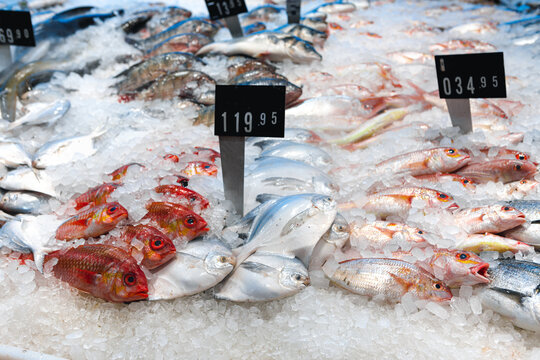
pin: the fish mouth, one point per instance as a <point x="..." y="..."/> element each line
<point x="480" y="271"/>
<point x="454" y="206"/>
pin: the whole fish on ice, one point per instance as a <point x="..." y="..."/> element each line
<point x="529" y="232"/>
<point x="309" y="154"/>
<point x="492" y="219"/>
<point x="44" y="114"/>
<point x="26" y="179"/>
<point x="23" y="202"/>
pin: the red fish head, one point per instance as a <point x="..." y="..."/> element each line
<point x="445" y="201"/>
<point x="193" y="226"/>
<point x="127" y="282"/>
<point x="467" y="183"/>
<point x="524" y="169"/>
<point x="112" y="213"/>
<point x="439" y="292"/>
<point x="200" y="168"/>
<point x="461" y="156"/>
<point x="158" y="248"/>
<point x="459" y="267"/>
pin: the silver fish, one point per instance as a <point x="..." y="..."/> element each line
<point x="309" y="154"/>
<point x="22" y="202"/>
<point x="290" y="226"/>
<point x="266" y="45"/>
<point x="12" y="154"/>
<point x="292" y="134"/>
<point x="305" y="33"/>
<point x="25" y="179"/>
<point x="336" y="7"/>
<point x="264" y="277"/>
<point x="44" y="114"/>
<point x="286" y="177"/>
<point x="530" y="231"/>
<point x="334" y="239"/>
<point x="66" y="150"/>
<point x="200" y="265"/>
<point x="514" y="292"/>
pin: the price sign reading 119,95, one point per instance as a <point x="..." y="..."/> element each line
<point x="471" y="76"/>
<point x="16" y="28"/>
<point x="219" y="9"/>
<point x="250" y="111"/>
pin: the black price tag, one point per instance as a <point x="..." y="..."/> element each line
<point x="16" y="28"/>
<point x="293" y="11"/>
<point x="471" y="76"/>
<point x="219" y="9"/>
<point x="243" y="110"/>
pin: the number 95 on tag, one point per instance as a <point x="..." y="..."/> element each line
<point x="250" y="111"/>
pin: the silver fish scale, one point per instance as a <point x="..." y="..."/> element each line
<point x="517" y="276"/>
<point x="531" y="208"/>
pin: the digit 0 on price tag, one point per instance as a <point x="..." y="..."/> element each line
<point x="471" y="76"/>
<point x="250" y="111"/>
<point x="219" y="9"/>
<point x="16" y="28"/>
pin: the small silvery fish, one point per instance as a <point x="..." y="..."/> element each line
<point x="104" y="271"/>
<point x="46" y="114"/>
<point x="334" y="239"/>
<point x="305" y="33"/>
<point x="22" y="202"/>
<point x="311" y="155"/>
<point x="12" y="154"/>
<point x="514" y="292"/>
<point x="387" y="279"/>
<point x="66" y="150"/>
<point x="264" y="277"/>
<point x="25" y="179"/>
<point x="198" y="266"/>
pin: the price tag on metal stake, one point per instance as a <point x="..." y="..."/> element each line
<point x="228" y="10"/>
<point x="293" y="11"/>
<point x="465" y="76"/>
<point x="16" y="28"/>
<point x="245" y="111"/>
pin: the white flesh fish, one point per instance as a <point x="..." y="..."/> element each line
<point x="202" y="264"/>
<point x="66" y="150"/>
<point x="514" y="292"/>
<point x="12" y="154"/>
<point x="264" y="277"/>
<point x="309" y="154"/>
<point x="265" y="45"/>
<point x="290" y="226"/>
<point x="42" y="114"/>
<point x="25" y="178"/>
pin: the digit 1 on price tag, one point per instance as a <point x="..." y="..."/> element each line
<point x="293" y="11"/>
<point x="228" y="10"/>
<point x="244" y="111"/>
<point x="464" y="76"/>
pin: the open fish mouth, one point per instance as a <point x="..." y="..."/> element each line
<point x="452" y="207"/>
<point x="480" y="271"/>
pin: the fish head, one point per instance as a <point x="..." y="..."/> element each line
<point x="219" y="262"/>
<point x="414" y="234"/>
<point x="325" y="204"/>
<point x="158" y="248"/>
<point x="436" y="290"/>
<point x="201" y="168"/>
<point x="294" y="277"/>
<point x="192" y="225"/>
<point x="442" y="200"/>
<point x="458" y="267"/>
<point x="112" y="213"/>
<point x="523" y="186"/>
<point x="127" y="282"/>
<point x="339" y="232"/>
<point x="301" y="50"/>
<point x="508" y="215"/>
<point x="523" y="169"/>
<point x="466" y="182"/>
<point x="449" y="159"/>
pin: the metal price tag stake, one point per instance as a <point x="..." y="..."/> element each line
<point x="15" y="29"/>
<point x="228" y="10"/>
<point x="465" y="76"/>
<point x="244" y="111"/>
<point x="293" y="11"/>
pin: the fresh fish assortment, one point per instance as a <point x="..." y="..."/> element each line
<point x="371" y="195"/>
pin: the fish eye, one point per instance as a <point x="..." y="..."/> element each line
<point x="452" y="152"/>
<point x="297" y="277"/>
<point x="207" y="166"/>
<point x="157" y="243"/>
<point x="521" y="156"/>
<point x="112" y="209"/>
<point x="437" y="286"/>
<point x="463" y="256"/>
<point x="522" y="182"/>
<point x="442" y="197"/>
<point x="222" y="259"/>
<point x="189" y="221"/>
<point x="130" y="279"/>
<point x="517" y="166"/>
<point x="506" y="208"/>
<point x="193" y="199"/>
<point x="420" y="232"/>
<point x="465" y="181"/>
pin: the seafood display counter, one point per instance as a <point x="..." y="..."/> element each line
<point x="373" y="228"/>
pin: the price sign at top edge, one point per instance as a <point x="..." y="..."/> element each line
<point x="16" y="28"/>
<point x="243" y="110"/>
<point x="219" y="9"/>
<point x="471" y="76"/>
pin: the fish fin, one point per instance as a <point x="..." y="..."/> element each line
<point x="296" y="221"/>
<point x="87" y="276"/>
<point x="405" y="284"/>
<point x="514" y="294"/>
<point x="284" y="182"/>
<point x="264" y="143"/>
<point x="256" y="267"/>
<point x="262" y="198"/>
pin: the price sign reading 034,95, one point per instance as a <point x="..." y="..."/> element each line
<point x="471" y="76"/>
<point x="223" y="8"/>
<point x="16" y="28"/>
<point x="250" y="111"/>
